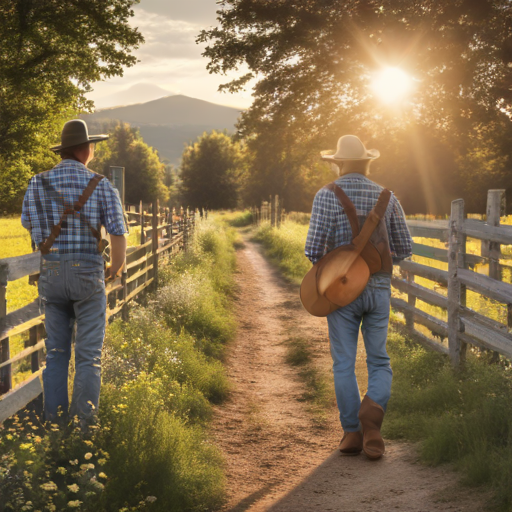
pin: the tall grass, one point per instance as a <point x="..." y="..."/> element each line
<point x="285" y="246"/>
<point x="463" y="418"/>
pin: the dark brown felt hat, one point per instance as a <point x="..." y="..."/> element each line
<point x="75" y="133"/>
<point x="334" y="281"/>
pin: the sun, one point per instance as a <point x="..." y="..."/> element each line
<point x="391" y="85"/>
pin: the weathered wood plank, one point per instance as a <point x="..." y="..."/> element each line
<point x="11" y="324"/>
<point x="139" y="289"/>
<point x="434" y="274"/>
<point x="482" y="231"/>
<point x="138" y="274"/>
<point x="431" y="322"/>
<point x="429" y="229"/>
<point x="490" y="338"/>
<point x="24" y="353"/>
<point x="19" y="266"/>
<point x="427" y="251"/>
<point x="420" y="292"/>
<point x="136" y="263"/>
<point x="457" y="244"/>
<point x="497" y="290"/>
<point x="15" y="400"/>
<point x="141" y="249"/>
<point x="430" y="343"/>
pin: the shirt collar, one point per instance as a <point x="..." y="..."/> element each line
<point x="353" y="176"/>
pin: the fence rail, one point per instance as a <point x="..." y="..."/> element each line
<point x="463" y="325"/>
<point x="163" y="232"/>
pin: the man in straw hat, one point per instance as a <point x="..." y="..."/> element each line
<point x="64" y="209"/>
<point x="330" y="228"/>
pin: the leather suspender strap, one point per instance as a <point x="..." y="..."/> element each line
<point x="373" y="219"/>
<point x="45" y="246"/>
<point x="348" y="207"/>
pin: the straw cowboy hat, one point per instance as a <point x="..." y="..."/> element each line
<point x="75" y="133"/>
<point x="351" y="148"/>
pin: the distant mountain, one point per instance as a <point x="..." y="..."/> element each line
<point x="137" y="93"/>
<point x="169" y="123"/>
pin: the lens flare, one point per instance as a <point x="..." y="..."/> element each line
<point x="391" y="85"/>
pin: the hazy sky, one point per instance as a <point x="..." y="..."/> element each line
<point x="170" y="60"/>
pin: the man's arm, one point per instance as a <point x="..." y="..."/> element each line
<point x="319" y="224"/>
<point x="28" y="201"/>
<point x="118" y="253"/>
<point x="400" y="241"/>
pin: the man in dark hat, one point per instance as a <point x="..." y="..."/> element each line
<point x="331" y="227"/>
<point x="64" y="209"/>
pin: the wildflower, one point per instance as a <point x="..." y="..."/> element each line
<point x="73" y="488"/>
<point x="74" y="504"/>
<point x="102" y="462"/>
<point x="49" y="486"/>
<point x="37" y="439"/>
<point x="29" y="462"/>
<point x="98" y="485"/>
<point x="25" y="446"/>
<point x="61" y="470"/>
<point x="88" y="455"/>
<point x="102" y="475"/>
<point x="151" y="499"/>
<point x="51" y="507"/>
<point x="88" y="443"/>
<point x="9" y="437"/>
<point x="73" y="462"/>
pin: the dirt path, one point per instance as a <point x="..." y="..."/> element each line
<point x="279" y="458"/>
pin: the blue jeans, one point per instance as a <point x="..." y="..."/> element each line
<point x="72" y="292"/>
<point x="371" y="309"/>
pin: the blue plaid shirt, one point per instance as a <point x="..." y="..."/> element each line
<point x="41" y="212"/>
<point x="329" y="226"/>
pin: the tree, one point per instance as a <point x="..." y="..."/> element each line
<point x="210" y="169"/>
<point x="314" y="61"/>
<point x="50" y="53"/>
<point x="144" y="172"/>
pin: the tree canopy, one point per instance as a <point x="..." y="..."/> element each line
<point x="144" y="172"/>
<point x="210" y="171"/>
<point x="50" y="53"/>
<point x="314" y="62"/>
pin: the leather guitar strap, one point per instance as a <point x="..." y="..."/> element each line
<point x="45" y="246"/>
<point x="373" y="219"/>
<point x="348" y="207"/>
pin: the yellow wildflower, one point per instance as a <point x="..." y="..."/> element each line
<point x="74" y="504"/>
<point x="102" y="475"/>
<point x="73" y="488"/>
<point x="87" y="456"/>
<point x="49" y="486"/>
<point x="61" y="470"/>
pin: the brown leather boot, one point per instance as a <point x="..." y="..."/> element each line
<point x="351" y="443"/>
<point x="371" y="415"/>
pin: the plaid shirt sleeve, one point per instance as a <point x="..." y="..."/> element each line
<point x="111" y="213"/>
<point x="325" y="205"/>
<point x="400" y="241"/>
<point x="25" y="211"/>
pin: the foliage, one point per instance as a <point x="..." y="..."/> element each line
<point x="462" y="418"/>
<point x="286" y="247"/>
<point x="237" y="219"/>
<point x="210" y="169"/>
<point x="144" y="172"/>
<point x="314" y="63"/>
<point x="51" y="53"/>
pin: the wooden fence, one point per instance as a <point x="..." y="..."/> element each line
<point x="163" y="232"/>
<point x="463" y="326"/>
<point x="270" y="211"/>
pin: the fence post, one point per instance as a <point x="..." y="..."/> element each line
<point x="456" y="295"/>
<point x="495" y="209"/>
<point x="5" y="372"/>
<point x="154" y="239"/>
<point x="273" y="204"/>
<point x="185" y="230"/>
<point x="142" y="235"/>
<point x="278" y="212"/>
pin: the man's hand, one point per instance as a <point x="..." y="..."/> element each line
<point x="117" y="254"/>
